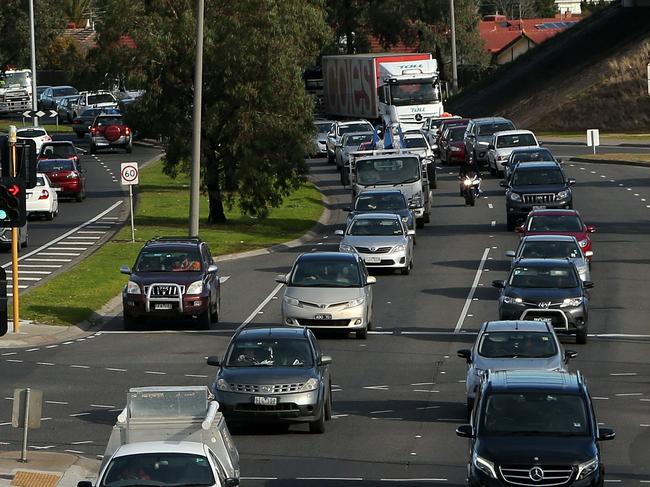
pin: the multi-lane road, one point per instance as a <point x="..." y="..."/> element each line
<point x="399" y="395"/>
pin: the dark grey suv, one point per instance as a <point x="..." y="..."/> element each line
<point x="274" y="374"/>
<point x="478" y="135"/>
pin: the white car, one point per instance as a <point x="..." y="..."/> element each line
<point x="37" y="134"/>
<point x="42" y="199"/>
<point x="503" y="143"/>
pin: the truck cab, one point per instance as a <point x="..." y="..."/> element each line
<point x="15" y="90"/>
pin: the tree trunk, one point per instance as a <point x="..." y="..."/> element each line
<point x="216" y="214"/>
<point x="349" y="35"/>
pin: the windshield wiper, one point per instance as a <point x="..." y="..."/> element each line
<point x="409" y="180"/>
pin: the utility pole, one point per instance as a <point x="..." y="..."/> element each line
<point x="196" y="133"/>
<point x="12" y="139"/>
<point x="32" y="40"/>
<point x="454" y="63"/>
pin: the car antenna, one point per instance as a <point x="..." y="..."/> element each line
<point x="516" y="325"/>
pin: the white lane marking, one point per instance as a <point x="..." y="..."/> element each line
<point x="38" y="266"/>
<point x="424" y="390"/>
<point x="56" y="402"/>
<point x="602" y="398"/>
<point x="493" y="223"/>
<point x="101" y="406"/>
<point x="414" y="480"/>
<point x="383" y="412"/>
<point x="423" y="384"/>
<point x="14" y="360"/>
<point x="45" y="363"/>
<point x="41" y="447"/>
<point x="336" y="416"/>
<point x="57" y="248"/>
<point x="74" y="451"/>
<point x="33" y="350"/>
<point x="33" y="279"/>
<point x="32" y="259"/>
<point x="645" y="425"/>
<point x="110" y="218"/>
<point x="262" y="304"/>
<point x="68" y="343"/>
<point x="65" y="235"/>
<point x="62" y="254"/>
<point x="472" y="290"/>
<point x="377" y="388"/>
<point x="78" y="414"/>
<point x="153" y="372"/>
<point x="114" y="369"/>
<point x="428" y="407"/>
<point x="223" y="279"/>
<point x="90" y="231"/>
<point x="8" y="353"/>
<point x="87" y="237"/>
<point x="80" y="366"/>
<point x="623" y="373"/>
<point x="490" y="205"/>
<point x="198" y="376"/>
<point x="5" y="424"/>
<point x="88" y="244"/>
<point x="625" y="394"/>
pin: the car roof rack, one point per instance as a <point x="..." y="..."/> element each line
<point x="174" y="239"/>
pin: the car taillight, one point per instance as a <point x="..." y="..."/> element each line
<point x="71" y="175"/>
<point x="127" y="130"/>
<point x="94" y="130"/>
<point x="44" y="194"/>
<point x="76" y="122"/>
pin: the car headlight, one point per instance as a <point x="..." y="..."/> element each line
<point x="562" y="195"/>
<point x="479" y="372"/>
<point x="133" y="288"/>
<point x="501" y="158"/>
<point x="571" y="302"/>
<point x="399" y="248"/>
<point x="485" y="466"/>
<point x="587" y="468"/>
<point x="355" y="302"/>
<point x="346" y="248"/>
<point x="515" y="196"/>
<point x="512" y="300"/>
<point x="195" y="288"/>
<point x="310" y="385"/>
<point x="453" y="148"/>
<point x="292" y="301"/>
<point x="583" y="243"/>
<point x="222" y="385"/>
<point x="416" y="200"/>
<point x="405" y="219"/>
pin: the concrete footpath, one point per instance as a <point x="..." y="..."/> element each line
<point x="46" y="469"/>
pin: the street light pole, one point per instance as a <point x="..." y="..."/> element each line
<point x="32" y="40"/>
<point x="454" y="63"/>
<point x="196" y="132"/>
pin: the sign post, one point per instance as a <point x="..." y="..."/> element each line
<point x="129" y="176"/>
<point x="28" y="405"/>
<point x="593" y="138"/>
<point x="648" y="78"/>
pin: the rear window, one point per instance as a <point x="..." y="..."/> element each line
<point x="55" y="165"/>
<point x="31" y="133"/>
<point x="555" y="223"/>
<point x="491" y="128"/>
<point x="100" y="98"/>
<point x="542" y="155"/>
<point x="92" y="112"/>
<point x="58" y="151"/>
<point x="106" y="121"/>
<point x="517" y="344"/>
<point x="516" y="140"/>
<point x="415" y="142"/>
<point x="357" y="127"/>
<point x="64" y="91"/>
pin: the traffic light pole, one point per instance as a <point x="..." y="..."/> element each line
<point x="14" y="239"/>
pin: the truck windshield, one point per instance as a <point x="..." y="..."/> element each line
<point x="398" y="170"/>
<point x="414" y="93"/>
<point x="15" y="79"/>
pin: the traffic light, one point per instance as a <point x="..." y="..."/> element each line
<point x="4" y="324"/>
<point x="13" y="211"/>
<point x="26" y="160"/>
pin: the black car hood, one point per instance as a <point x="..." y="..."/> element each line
<point x="550" y="450"/>
<point x="185" y="278"/>
<point x="542" y="294"/>
<point x="266" y="375"/>
<point x="527" y="189"/>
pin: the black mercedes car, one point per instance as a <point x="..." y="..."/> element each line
<point x="547" y="290"/>
<point x="534" y="428"/>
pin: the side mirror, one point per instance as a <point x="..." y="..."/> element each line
<point x="371" y="280"/>
<point x="499" y="284"/>
<point x="491" y="147"/>
<point x="213" y="360"/>
<point x="84" y="483"/>
<point x="504" y="184"/>
<point x="213" y="268"/>
<point x="125" y="269"/>
<point x="325" y="360"/>
<point x="606" y="434"/>
<point x="510" y="253"/>
<point x="231" y="482"/>
<point x="465" y="431"/>
<point x="410" y="233"/>
<point x="330" y="135"/>
<point x="591" y="229"/>
<point x="339" y="232"/>
<point x="588" y="284"/>
<point x="571" y="181"/>
<point x="569" y="354"/>
<point x="282" y="279"/>
<point x="589" y="253"/>
<point x="466" y="354"/>
<point x="520" y="229"/>
<point x="559" y="161"/>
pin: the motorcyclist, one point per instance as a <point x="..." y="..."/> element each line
<point x="469" y="167"/>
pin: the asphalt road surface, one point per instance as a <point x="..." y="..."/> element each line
<point x="399" y="395"/>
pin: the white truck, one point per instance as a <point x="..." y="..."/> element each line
<point x="392" y="88"/>
<point x="15" y="91"/>
<point x="169" y="436"/>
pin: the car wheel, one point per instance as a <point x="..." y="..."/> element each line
<point x="362" y="334"/>
<point x="510" y="224"/>
<point x="318" y="426"/>
<point x="470" y="407"/>
<point x="129" y="148"/>
<point x="129" y="322"/>
<point x="80" y="197"/>
<point x="214" y="317"/>
<point x="407" y="270"/>
<point x="203" y="320"/>
<point x="419" y="223"/>
<point x="25" y="243"/>
<point x="330" y="159"/>
<point x="581" y="337"/>
<point x="328" y="405"/>
<point x="93" y="149"/>
<point x="50" y="215"/>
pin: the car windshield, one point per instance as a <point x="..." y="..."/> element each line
<point x="532" y="156"/>
<point x="100" y="98"/>
<point x="515" y="140"/>
<point x="543" y="277"/>
<point x="415" y="143"/>
<point x="555" y="223"/>
<point x="517" y="344"/>
<point x="158" y="469"/>
<point x="534" y="413"/>
<point x="381" y="227"/>
<point x="325" y="273"/>
<point x="390" y="202"/>
<point x="69" y="90"/>
<point x="355" y="127"/>
<point x="91" y="112"/>
<point x="40" y="181"/>
<point x="491" y="128"/>
<point x="357" y="140"/>
<point x="413" y="93"/>
<point x="547" y="249"/>
<point x="166" y="261"/>
<point x="53" y="165"/>
<point x="456" y="133"/>
<point x="398" y="170"/>
<point x="28" y="133"/>
<point x="323" y="127"/>
<point x="537" y="177"/>
<point x="21" y="79"/>
<point x="270" y="352"/>
<point x="58" y="151"/>
<point x="106" y="121"/>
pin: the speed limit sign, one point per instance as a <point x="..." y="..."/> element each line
<point x="129" y="173"/>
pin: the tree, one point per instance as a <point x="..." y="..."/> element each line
<point x="257" y="117"/>
<point x="77" y="11"/>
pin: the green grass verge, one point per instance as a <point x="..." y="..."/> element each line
<point x="50" y="127"/>
<point x="163" y="209"/>
<point x="619" y="156"/>
<point x="621" y="136"/>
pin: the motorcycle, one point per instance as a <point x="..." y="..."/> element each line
<point x="470" y="188"/>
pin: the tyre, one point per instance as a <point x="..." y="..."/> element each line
<point x="129" y="148"/>
<point x="80" y="135"/>
<point x="328" y="405"/>
<point x="470" y="407"/>
<point x="434" y="183"/>
<point x="93" y="149"/>
<point x="407" y="270"/>
<point x="318" y="426"/>
<point x="129" y="322"/>
<point x="510" y="224"/>
<point x="362" y="334"/>
<point x="419" y="223"/>
<point x="80" y="197"/>
<point x="581" y="337"/>
<point x="214" y="317"/>
<point x="50" y="215"/>
<point x="330" y="158"/>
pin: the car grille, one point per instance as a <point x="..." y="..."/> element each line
<point x="530" y="476"/>
<point x="542" y="198"/>
<point x="381" y="262"/>
<point x="165" y="290"/>
<point x="557" y="317"/>
<point x="283" y="407"/>
<point x="304" y="322"/>
<point x="266" y="389"/>
<point x="377" y="250"/>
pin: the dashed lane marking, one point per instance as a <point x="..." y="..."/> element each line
<point x="114" y="369"/>
<point x="61" y="254"/>
<point x="623" y="374"/>
<point x="101" y="406"/>
<point x="470" y="296"/>
<point x="33" y="259"/>
<point x="75" y="415"/>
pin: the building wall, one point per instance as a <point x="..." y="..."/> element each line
<point x="521" y="46"/>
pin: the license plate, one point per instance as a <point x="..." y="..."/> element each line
<point x="163" y="306"/>
<point x="322" y="317"/>
<point x="548" y="321"/>
<point x="372" y="260"/>
<point x="539" y="207"/>
<point x="265" y="401"/>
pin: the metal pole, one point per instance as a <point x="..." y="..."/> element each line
<point x="454" y="63"/>
<point x="23" y="454"/>
<point x="33" y="47"/>
<point x="132" y="223"/>
<point x="14" y="238"/>
<point x="196" y="131"/>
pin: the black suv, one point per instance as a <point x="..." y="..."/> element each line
<point x="479" y="134"/>
<point x="536" y="186"/>
<point x="534" y="428"/>
<point x="173" y="277"/>
<point x="548" y="290"/>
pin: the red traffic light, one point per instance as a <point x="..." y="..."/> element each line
<point x="13" y="189"/>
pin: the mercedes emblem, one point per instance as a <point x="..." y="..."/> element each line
<point x="536" y="474"/>
<point x="372" y="249"/>
<point x="418" y="116"/>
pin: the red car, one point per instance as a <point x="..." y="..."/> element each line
<point x="450" y="122"/>
<point x="66" y="175"/>
<point x="452" y="145"/>
<point x="559" y="222"/>
<point x="59" y="149"/>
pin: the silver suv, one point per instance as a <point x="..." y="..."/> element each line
<point x="93" y="99"/>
